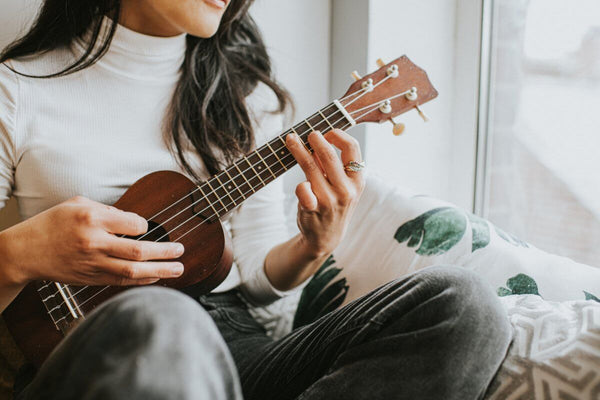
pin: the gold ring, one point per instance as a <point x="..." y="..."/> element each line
<point x="354" y="166"/>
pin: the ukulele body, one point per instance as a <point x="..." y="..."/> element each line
<point x="207" y="259"/>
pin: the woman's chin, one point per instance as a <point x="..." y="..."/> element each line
<point x="207" y="28"/>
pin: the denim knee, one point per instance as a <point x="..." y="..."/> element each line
<point x="469" y="301"/>
<point x="149" y="310"/>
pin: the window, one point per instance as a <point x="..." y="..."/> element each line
<point x="541" y="167"/>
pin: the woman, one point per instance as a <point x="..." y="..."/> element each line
<point x="100" y="93"/>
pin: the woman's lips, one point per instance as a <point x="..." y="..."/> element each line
<point x="220" y="4"/>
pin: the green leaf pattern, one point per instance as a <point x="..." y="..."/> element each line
<point x="589" y="296"/>
<point x="434" y="232"/>
<point x="481" y="232"/>
<point x="319" y="297"/>
<point x="437" y="231"/>
<point x="524" y="284"/>
<point x="440" y="229"/>
<point x="519" y="284"/>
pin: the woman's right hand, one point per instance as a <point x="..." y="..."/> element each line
<point x="76" y="242"/>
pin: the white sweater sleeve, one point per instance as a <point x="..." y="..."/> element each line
<point x="8" y="111"/>
<point x="259" y="224"/>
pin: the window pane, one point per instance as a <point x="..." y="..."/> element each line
<point x="544" y="165"/>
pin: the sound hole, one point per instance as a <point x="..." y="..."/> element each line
<point x="155" y="233"/>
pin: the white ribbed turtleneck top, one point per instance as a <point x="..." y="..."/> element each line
<point x="95" y="132"/>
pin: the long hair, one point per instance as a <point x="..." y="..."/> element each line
<point x="208" y="107"/>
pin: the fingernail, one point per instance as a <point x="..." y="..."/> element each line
<point x="178" y="249"/>
<point x="177" y="270"/>
<point x="143" y="224"/>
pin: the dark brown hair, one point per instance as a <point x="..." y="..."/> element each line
<point x="208" y="107"/>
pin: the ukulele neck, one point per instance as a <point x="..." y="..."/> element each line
<point x="230" y="187"/>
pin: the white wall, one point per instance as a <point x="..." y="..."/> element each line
<point x="15" y="15"/>
<point x="435" y="158"/>
<point x="423" y="30"/>
<point x="297" y="34"/>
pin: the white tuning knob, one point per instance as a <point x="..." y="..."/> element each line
<point x="368" y="85"/>
<point x="412" y="94"/>
<point x="392" y="71"/>
<point x="386" y="107"/>
<point x="356" y="76"/>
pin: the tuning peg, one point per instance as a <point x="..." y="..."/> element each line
<point x="422" y="114"/>
<point x="380" y="63"/>
<point x="412" y="94"/>
<point x="356" y="76"/>
<point x="399" y="127"/>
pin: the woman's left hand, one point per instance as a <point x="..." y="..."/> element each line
<point x="329" y="195"/>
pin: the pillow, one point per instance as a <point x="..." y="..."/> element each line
<point x="395" y="232"/>
<point x="555" y="352"/>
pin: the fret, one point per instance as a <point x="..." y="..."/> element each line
<point x="283" y="141"/>
<point x="257" y="174"/>
<point x="235" y="184"/>
<point x="244" y="176"/>
<point x="326" y="120"/>
<point x="266" y="165"/>
<point x="310" y="126"/>
<point x="301" y="140"/>
<point x="208" y="201"/>
<point x="276" y="156"/>
<point x="226" y="191"/>
<point x="217" y="196"/>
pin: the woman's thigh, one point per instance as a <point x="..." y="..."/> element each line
<point x="418" y="327"/>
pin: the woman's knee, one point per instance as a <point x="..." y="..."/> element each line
<point x="460" y="299"/>
<point x="156" y="312"/>
<point x="469" y="303"/>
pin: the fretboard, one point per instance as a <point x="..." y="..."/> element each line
<point x="230" y="187"/>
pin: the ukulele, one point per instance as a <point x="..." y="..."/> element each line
<point x="186" y="212"/>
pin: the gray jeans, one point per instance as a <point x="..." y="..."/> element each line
<point x="438" y="334"/>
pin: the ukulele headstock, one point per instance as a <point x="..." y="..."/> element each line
<point x="394" y="89"/>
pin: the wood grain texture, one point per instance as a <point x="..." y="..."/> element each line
<point x="409" y="76"/>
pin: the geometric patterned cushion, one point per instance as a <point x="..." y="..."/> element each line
<point x="555" y="352"/>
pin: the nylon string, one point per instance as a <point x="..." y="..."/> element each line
<point x="284" y="160"/>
